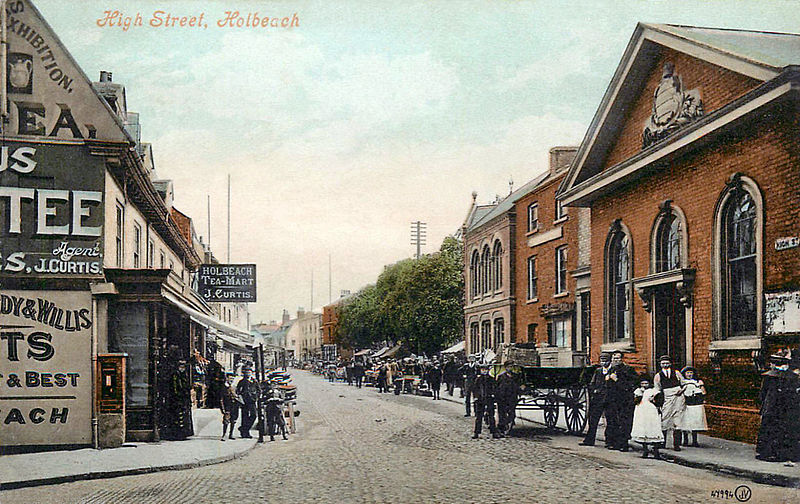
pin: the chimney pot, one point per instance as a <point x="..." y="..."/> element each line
<point x="105" y="76"/>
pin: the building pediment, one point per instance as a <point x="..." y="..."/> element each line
<point x="668" y="79"/>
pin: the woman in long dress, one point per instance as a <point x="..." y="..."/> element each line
<point x="693" y="418"/>
<point x="646" y="418"/>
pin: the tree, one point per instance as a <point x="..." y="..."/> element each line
<point x="417" y="302"/>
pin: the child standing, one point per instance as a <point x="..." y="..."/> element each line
<point x="646" y="418"/>
<point x="694" y="416"/>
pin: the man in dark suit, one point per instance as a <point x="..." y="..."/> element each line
<point x="469" y="372"/>
<point x="248" y="390"/>
<point x="597" y="400"/>
<point x="483" y="389"/>
<point x="621" y="381"/>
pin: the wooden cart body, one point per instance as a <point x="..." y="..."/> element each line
<point x="551" y="389"/>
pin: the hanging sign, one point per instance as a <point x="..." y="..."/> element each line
<point x="227" y="283"/>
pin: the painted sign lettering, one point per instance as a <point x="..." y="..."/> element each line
<point x="45" y="376"/>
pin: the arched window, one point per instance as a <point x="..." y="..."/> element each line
<point x="738" y="251"/>
<point x="486" y="269"/>
<point x="497" y="253"/>
<point x="474" y="268"/>
<point x="668" y="244"/>
<point x="499" y="333"/>
<point x="740" y="265"/>
<point x="619" y="289"/>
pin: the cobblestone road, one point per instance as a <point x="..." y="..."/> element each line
<point x="355" y="446"/>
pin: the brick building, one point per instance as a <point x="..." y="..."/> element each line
<point x="690" y="167"/>
<point x="548" y="310"/>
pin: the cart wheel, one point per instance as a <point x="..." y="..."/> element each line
<point x="550" y="409"/>
<point x="575" y="410"/>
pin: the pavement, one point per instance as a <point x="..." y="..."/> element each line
<point x="52" y="467"/>
<point x="719" y="455"/>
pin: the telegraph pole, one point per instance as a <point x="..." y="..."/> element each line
<point x="418" y="232"/>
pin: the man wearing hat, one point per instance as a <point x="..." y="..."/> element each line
<point x="483" y="389"/>
<point x="597" y="400"/>
<point x="507" y="394"/>
<point x="229" y="406"/>
<point x="469" y="372"/>
<point x="621" y="381"/>
<point x="669" y="382"/>
<point x="248" y="390"/>
<point x="777" y="436"/>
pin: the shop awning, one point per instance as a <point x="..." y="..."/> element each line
<point x="207" y="320"/>
<point x="391" y="352"/>
<point x="380" y="352"/>
<point x="362" y="352"/>
<point x="458" y="347"/>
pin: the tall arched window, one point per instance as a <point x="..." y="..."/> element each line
<point x="486" y="269"/>
<point x="668" y="244"/>
<point x="738" y="251"/>
<point x="740" y="265"/>
<point x="497" y="253"/>
<point x="474" y="267"/>
<point x="619" y="288"/>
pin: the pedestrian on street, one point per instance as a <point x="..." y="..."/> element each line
<point x="348" y="372"/>
<point x="383" y="372"/>
<point x="621" y="381"/>
<point x="358" y="373"/>
<point x="229" y="406"/>
<point x="483" y="389"/>
<point x="669" y="381"/>
<point x="248" y="390"/>
<point x="597" y="400"/>
<point x="449" y="372"/>
<point x="469" y="372"/>
<point x="507" y="395"/>
<point x="646" y="419"/>
<point x="693" y="419"/>
<point x="435" y="380"/>
<point x="778" y="436"/>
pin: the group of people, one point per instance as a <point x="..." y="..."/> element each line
<point x="779" y="434"/>
<point x="484" y="393"/>
<point x="645" y="410"/>
<point x="239" y="398"/>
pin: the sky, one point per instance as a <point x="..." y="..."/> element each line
<point x="339" y="132"/>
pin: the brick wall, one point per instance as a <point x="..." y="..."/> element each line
<point x="529" y="312"/>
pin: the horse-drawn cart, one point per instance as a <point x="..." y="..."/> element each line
<point x="551" y="389"/>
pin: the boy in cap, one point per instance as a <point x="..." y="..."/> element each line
<point x="669" y="382"/>
<point x="597" y="399"/>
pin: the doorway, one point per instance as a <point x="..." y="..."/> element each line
<point x="669" y="325"/>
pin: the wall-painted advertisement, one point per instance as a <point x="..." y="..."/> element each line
<point x="45" y="376"/>
<point x="51" y="211"/>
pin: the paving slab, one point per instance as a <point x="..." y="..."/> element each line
<point x="49" y="467"/>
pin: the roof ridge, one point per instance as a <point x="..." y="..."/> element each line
<point x="716" y="28"/>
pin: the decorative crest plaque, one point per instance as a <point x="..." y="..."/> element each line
<point x="673" y="107"/>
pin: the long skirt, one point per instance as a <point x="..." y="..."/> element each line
<point x="646" y="424"/>
<point x="693" y="419"/>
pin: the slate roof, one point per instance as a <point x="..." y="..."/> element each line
<point x="506" y="204"/>
<point x="777" y="50"/>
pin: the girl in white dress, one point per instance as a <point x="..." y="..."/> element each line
<point x="647" y="419"/>
<point x="694" y="416"/>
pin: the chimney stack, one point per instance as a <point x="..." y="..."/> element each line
<point x="105" y="76"/>
<point x="561" y="158"/>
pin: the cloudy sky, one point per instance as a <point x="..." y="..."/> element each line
<point x="367" y="116"/>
